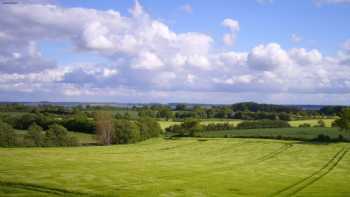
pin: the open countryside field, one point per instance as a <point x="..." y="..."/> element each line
<point x="312" y="122"/>
<point x="295" y="123"/>
<point x="185" y="167"/>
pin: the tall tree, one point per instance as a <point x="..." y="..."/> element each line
<point x="104" y="127"/>
<point x="344" y="120"/>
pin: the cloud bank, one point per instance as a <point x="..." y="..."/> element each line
<point x="149" y="62"/>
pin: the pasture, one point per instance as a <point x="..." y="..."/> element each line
<point x="184" y="167"/>
<point x="312" y="122"/>
<point x="294" y="123"/>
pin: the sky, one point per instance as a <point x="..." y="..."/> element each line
<point x="219" y="52"/>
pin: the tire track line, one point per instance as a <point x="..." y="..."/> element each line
<point x="271" y="155"/>
<point x="305" y="182"/>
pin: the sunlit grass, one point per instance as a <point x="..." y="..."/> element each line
<point x="185" y="167"/>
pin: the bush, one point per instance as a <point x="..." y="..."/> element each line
<point x="344" y="121"/>
<point x="81" y="123"/>
<point x="149" y="128"/>
<point x="125" y="132"/>
<point x="57" y="135"/>
<point x="188" y="128"/>
<point x="322" y="138"/>
<point x="263" y="124"/>
<point x="305" y="125"/>
<point x="35" y="136"/>
<point x="321" y="123"/>
<point x="219" y="127"/>
<point x="7" y="135"/>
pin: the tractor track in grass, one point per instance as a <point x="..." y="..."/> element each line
<point x="42" y="189"/>
<point x="274" y="154"/>
<point x="314" y="177"/>
<point x="265" y="157"/>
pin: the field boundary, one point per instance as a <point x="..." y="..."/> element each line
<point x="314" y="177"/>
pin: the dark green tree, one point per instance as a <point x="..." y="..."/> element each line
<point x="35" y="136"/>
<point x="7" y="135"/>
<point x="344" y="120"/>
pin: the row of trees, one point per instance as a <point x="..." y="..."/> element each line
<point x="123" y="131"/>
<point x="79" y="122"/>
<point x="56" y="135"/>
<point x="263" y="124"/>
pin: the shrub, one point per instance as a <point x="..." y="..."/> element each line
<point x="263" y="124"/>
<point x="190" y="127"/>
<point x="305" y="125"/>
<point x="81" y="123"/>
<point x="125" y="132"/>
<point x="344" y="121"/>
<point x="149" y="128"/>
<point x="57" y="135"/>
<point x="321" y="123"/>
<point x="7" y="135"/>
<point x="322" y="138"/>
<point x="219" y="127"/>
<point x="35" y="136"/>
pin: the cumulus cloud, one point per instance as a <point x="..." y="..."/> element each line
<point x="268" y="57"/>
<point x="346" y="45"/>
<point x="146" y="59"/>
<point x="233" y="26"/>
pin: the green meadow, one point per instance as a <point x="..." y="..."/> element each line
<point x="294" y="123"/>
<point x="183" y="167"/>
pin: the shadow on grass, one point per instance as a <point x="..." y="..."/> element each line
<point x="42" y="189"/>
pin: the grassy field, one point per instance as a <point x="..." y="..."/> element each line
<point x="165" y="124"/>
<point x="185" y="167"/>
<point x="301" y="133"/>
<point x="312" y="122"/>
<point x="295" y="123"/>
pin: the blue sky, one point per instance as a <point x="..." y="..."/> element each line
<point x="273" y="51"/>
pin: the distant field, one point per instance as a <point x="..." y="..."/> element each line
<point x="301" y="133"/>
<point x="165" y="124"/>
<point x="295" y="123"/>
<point x="185" y="167"/>
<point x="313" y="122"/>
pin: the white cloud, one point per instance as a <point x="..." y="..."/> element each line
<point x="303" y="57"/>
<point x="268" y="57"/>
<point x="187" y="8"/>
<point x="346" y="45"/>
<point x="233" y="26"/>
<point x="147" y="60"/>
<point x="151" y="61"/>
<point x="295" y="38"/>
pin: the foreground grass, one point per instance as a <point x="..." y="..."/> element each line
<point x="185" y="167"/>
